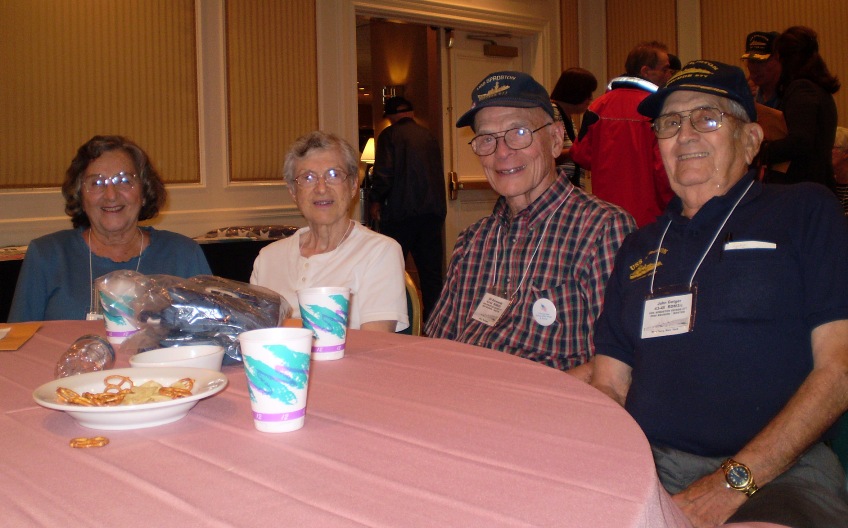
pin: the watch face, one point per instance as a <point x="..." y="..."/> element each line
<point x="738" y="476"/>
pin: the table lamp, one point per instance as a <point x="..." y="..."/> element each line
<point x="368" y="152"/>
<point x="367" y="158"/>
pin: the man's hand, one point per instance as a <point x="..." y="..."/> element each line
<point x="374" y="211"/>
<point x="708" y="502"/>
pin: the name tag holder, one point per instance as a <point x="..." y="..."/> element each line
<point x="497" y="301"/>
<point x="493" y="307"/>
<point x="669" y="311"/>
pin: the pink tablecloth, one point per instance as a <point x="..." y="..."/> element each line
<point x="402" y="432"/>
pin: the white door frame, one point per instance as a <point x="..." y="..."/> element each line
<point x="335" y="22"/>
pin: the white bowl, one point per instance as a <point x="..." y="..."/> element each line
<point x="206" y="383"/>
<point x="199" y="356"/>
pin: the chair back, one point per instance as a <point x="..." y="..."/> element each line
<point x="840" y="443"/>
<point x="413" y="306"/>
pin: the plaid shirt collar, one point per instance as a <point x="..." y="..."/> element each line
<point x="541" y="208"/>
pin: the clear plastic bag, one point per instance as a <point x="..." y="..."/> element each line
<point x="206" y="309"/>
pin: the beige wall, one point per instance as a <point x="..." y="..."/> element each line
<point x="74" y="69"/>
<point x="595" y="33"/>
<point x="725" y="23"/>
<point x="271" y="88"/>
<point x="713" y="29"/>
<point x="203" y="195"/>
<point x="629" y="23"/>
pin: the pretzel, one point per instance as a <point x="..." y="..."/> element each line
<point x="120" y="390"/>
<point x="101" y="399"/>
<point x="174" y="392"/>
<point x="82" y="442"/>
<point x="185" y="383"/>
<point x="66" y="395"/>
<point x="117" y="387"/>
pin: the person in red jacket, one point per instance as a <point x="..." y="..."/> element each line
<point x="617" y="144"/>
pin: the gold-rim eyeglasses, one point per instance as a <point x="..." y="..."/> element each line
<point x="704" y="119"/>
<point x="97" y="183"/>
<point x="331" y="177"/>
<point x="515" y="138"/>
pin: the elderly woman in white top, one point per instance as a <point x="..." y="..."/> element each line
<point x="321" y="172"/>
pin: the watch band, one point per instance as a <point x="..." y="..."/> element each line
<point x="748" y="486"/>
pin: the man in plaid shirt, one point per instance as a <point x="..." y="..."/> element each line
<point x="528" y="279"/>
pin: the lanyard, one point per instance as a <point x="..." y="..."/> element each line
<point x="535" y="250"/>
<point x="715" y="236"/>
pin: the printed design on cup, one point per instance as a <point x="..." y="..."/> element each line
<point x="327" y="320"/>
<point x="117" y="312"/>
<point x="279" y="382"/>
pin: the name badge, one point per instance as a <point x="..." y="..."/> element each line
<point x="669" y="313"/>
<point x="491" y="309"/>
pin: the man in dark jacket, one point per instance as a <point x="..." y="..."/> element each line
<point x="407" y="194"/>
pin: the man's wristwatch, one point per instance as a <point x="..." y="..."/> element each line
<point x="739" y="477"/>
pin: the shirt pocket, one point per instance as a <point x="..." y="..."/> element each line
<point x="566" y="298"/>
<point x="751" y="285"/>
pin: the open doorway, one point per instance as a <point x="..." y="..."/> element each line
<point x="436" y="69"/>
<point x="402" y="59"/>
<point x="533" y="28"/>
<point x="395" y="58"/>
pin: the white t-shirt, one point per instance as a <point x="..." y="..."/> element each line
<point x="368" y="263"/>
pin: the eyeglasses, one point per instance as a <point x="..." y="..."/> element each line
<point x="515" y="138"/>
<point x="705" y="119"/>
<point x="96" y="183"/>
<point x="333" y="177"/>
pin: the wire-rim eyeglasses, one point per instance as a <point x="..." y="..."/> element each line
<point x="331" y="177"/>
<point x="97" y="183"/>
<point x="515" y="138"/>
<point x="704" y="119"/>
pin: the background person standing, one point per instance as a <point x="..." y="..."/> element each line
<point x="616" y="142"/>
<point x="806" y="90"/>
<point x="763" y="66"/>
<point x="407" y="194"/>
<point x="571" y="96"/>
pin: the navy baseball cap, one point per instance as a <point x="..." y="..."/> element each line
<point x="705" y="76"/>
<point x="507" y="88"/>
<point x="759" y="45"/>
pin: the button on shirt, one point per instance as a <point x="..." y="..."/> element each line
<point x="570" y="269"/>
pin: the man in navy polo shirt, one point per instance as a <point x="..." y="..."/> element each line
<point x="725" y="323"/>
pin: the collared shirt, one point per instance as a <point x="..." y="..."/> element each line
<point x="570" y="268"/>
<point x="771" y="274"/>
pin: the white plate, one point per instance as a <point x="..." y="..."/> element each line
<point x="206" y="383"/>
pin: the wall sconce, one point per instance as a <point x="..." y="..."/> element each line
<point x="394" y="90"/>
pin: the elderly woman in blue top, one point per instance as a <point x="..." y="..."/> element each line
<point x="110" y="186"/>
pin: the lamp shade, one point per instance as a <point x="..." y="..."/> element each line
<point x="368" y="152"/>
